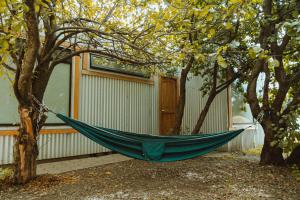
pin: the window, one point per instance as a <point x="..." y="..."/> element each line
<point x="58" y="92"/>
<point x="8" y="102"/>
<point x="110" y="64"/>
<point x="57" y="96"/>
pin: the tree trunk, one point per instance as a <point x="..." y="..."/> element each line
<point x="182" y="97"/>
<point x="25" y="149"/>
<point x="294" y="158"/>
<point x="212" y="94"/>
<point x="204" y="113"/>
<point x="270" y="155"/>
<point x="181" y="102"/>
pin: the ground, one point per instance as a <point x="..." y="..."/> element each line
<point x="228" y="176"/>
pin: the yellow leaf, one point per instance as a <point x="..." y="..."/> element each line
<point x="204" y="11"/>
<point x="252" y="53"/>
<point x="235" y="1"/>
<point x="211" y="33"/>
<point x="221" y="61"/>
<point x="4" y="44"/>
<point x="36" y="8"/>
<point x="228" y="26"/>
<point x="25" y="8"/>
<point x="199" y="57"/>
<point x="209" y="17"/>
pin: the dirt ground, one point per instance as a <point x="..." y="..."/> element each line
<point x="226" y="177"/>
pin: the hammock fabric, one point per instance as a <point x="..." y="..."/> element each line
<point x="153" y="148"/>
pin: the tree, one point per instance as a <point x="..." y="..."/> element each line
<point x="191" y="35"/>
<point x="272" y="30"/>
<point x="36" y="35"/>
<point x="255" y="39"/>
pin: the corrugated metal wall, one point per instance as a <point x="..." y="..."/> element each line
<point x="119" y="104"/>
<point x="216" y="119"/>
<point x="128" y="106"/>
<point x="52" y="146"/>
<point x="65" y="145"/>
<point x="6" y="149"/>
<point x="111" y="103"/>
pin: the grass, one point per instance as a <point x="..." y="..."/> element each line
<point x="5" y="175"/>
<point x="253" y="152"/>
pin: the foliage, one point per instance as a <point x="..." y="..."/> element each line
<point x="255" y="151"/>
<point x="269" y="39"/>
<point x="288" y="139"/>
<point x="256" y="41"/>
<point x="76" y="24"/>
<point x="216" y="39"/>
<point x="203" y="30"/>
<point x="5" y="174"/>
<point x="36" y="35"/>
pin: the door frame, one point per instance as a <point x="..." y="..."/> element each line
<point x="160" y="98"/>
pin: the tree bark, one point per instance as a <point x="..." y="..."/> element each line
<point x="25" y="149"/>
<point x="270" y="155"/>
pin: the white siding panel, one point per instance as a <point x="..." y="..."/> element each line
<point x="65" y="145"/>
<point x="119" y="104"/>
<point x="133" y="107"/>
<point x="52" y="146"/>
<point x="6" y="149"/>
<point x="216" y="119"/>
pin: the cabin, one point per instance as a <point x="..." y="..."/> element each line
<point x="101" y="93"/>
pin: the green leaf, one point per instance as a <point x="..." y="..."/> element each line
<point x="25" y="8"/>
<point x="4" y="44"/>
<point x="211" y="33"/>
<point x="228" y="26"/>
<point x="295" y="14"/>
<point x="273" y="62"/>
<point x="274" y="143"/>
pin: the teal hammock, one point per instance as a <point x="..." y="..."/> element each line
<point x="153" y="148"/>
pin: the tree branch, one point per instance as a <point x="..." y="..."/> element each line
<point x="293" y="105"/>
<point x="134" y="62"/>
<point x="6" y="66"/>
<point x="251" y="89"/>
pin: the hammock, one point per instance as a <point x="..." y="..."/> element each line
<point x="153" y="148"/>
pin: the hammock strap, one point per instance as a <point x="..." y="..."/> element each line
<point x="43" y="108"/>
<point x="258" y="120"/>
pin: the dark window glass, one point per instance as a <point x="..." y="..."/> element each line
<point x="112" y="65"/>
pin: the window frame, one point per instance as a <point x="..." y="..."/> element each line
<point x="113" y="70"/>
<point x="70" y="97"/>
<point x="70" y="103"/>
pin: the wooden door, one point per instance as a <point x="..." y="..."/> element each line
<point x="167" y="106"/>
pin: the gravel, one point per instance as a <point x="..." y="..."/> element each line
<point x="225" y="177"/>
